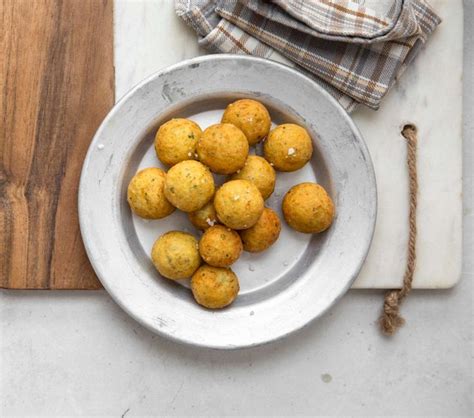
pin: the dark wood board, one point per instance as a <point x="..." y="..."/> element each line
<point x="57" y="83"/>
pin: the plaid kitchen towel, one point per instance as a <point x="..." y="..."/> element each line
<point x="355" y="49"/>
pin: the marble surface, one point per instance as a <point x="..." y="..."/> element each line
<point x="78" y="354"/>
<point x="149" y="36"/>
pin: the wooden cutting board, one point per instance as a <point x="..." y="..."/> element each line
<point x="57" y="80"/>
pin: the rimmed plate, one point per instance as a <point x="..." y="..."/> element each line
<point x="283" y="289"/>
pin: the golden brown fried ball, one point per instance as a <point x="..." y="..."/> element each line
<point x="146" y="195"/>
<point x="189" y="185"/>
<point x="259" y="172"/>
<point x="214" y="287"/>
<point x="251" y="117"/>
<point x="220" y="246"/>
<point x="238" y="204"/>
<point x="263" y="234"/>
<point x="205" y="217"/>
<point x="176" y="141"/>
<point x="223" y="148"/>
<point x="308" y="208"/>
<point x="175" y="255"/>
<point x="288" y="147"/>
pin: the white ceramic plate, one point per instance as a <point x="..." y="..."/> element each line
<point x="282" y="289"/>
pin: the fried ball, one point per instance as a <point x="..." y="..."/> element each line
<point x="308" y="208"/>
<point x="176" y="141"/>
<point x="220" y="246"/>
<point x="259" y="172"/>
<point x="288" y="147"/>
<point x="175" y="255"/>
<point x="189" y="185"/>
<point x="223" y="148"/>
<point x="146" y="195"/>
<point x="214" y="287"/>
<point x="251" y="117"/>
<point x="205" y="217"/>
<point x="238" y="204"/>
<point x="263" y="234"/>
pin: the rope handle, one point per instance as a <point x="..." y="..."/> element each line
<point x="391" y="320"/>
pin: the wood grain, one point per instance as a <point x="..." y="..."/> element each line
<point x="57" y="83"/>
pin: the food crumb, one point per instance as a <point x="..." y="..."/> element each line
<point x="195" y="155"/>
<point x="100" y="146"/>
<point x="272" y="164"/>
<point x="236" y="197"/>
<point x="285" y="263"/>
<point x="251" y="267"/>
<point x="210" y="222"/>
<point x="326" y="378"/>
<point x="291" y="151"/>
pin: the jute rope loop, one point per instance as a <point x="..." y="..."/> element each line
<point x="391" y="320"/>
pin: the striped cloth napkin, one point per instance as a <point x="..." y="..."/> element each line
<point x="356" y="49"/>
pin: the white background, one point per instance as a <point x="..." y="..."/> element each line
<point x="77" y="353"/>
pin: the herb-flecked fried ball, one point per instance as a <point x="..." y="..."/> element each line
<point x="214" y="287"/>
<point x="238" y="204"/>
<point x="251" y="117"/>
<point x="220" y="246"/>
<point x="176" y="141"/>
<point x="175" y="255"/>
<point x="145" y="194"/>
<point x="223" y="148"/>
<point x="263" y="234"/>
<point x="288" y="147"/>
<point x="308" y="208"/>
<point x="259" y="172"/>
<point x="205" y="217"/>
<point x="189" y="185"/>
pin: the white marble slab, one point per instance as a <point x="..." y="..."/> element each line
<point x="149" y="36"/>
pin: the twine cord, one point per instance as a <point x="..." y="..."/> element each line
<point x="391" y="320"/>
